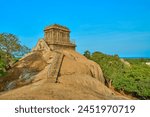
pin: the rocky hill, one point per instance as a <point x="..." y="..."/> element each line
<point x="54" y="70"/>
<point x="78" y="78"/>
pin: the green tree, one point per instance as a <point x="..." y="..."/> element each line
<point x="87" y="54"/>
<point x="10" y="47"/>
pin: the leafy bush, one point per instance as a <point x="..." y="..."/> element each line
<point x="133" y="79"/>
<point x="2" y="65"/>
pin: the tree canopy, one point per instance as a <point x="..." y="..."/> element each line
<point x="87" y="54"/>
<point x="10" y="47"/>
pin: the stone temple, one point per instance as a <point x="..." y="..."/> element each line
<point x="58" y="37"/>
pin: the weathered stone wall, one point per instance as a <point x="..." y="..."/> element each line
<point x="58" y="37"/>
<point x="61" y="47"/>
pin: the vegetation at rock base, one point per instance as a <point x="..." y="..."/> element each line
<point x="10" y="50"/>
<point x="133" y="79"/>
<point x="2" y="65"/>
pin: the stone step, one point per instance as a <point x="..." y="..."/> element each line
<point x="55" y="66"/>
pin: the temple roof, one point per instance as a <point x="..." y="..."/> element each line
<point x="57" y="26"/>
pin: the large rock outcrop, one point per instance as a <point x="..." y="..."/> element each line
<point x="54" y="70"/>
<point x="78" y="78"/>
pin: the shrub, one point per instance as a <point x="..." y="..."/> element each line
<point x="134" y="79"/>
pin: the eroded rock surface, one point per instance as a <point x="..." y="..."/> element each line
<point x="54" y="70"/>
<point x="79" y="78"/>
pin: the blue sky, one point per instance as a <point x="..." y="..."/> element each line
<point x="110" y="26"/>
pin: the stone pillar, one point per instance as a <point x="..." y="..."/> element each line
<point x="54" y="36"/>
<point x="50" y="35"/>
<point x="65" y="37"/>
<point x="56" y="40"/>
<point x="59" y="35"/>
<point x="47" y="37"/>
<point x="68" y="37"/>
